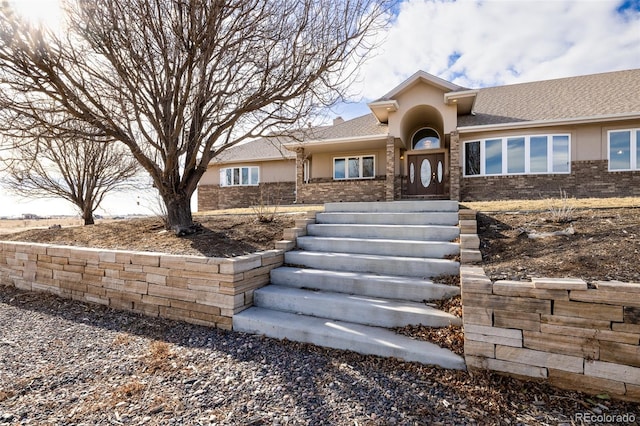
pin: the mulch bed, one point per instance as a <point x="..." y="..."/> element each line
<point x="66" y="362"/>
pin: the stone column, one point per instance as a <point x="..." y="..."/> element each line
<point x="391" y="169"/>
<point x="299" y="175"/>
<point x="455" y="166"/>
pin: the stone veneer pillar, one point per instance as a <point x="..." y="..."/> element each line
<point x="299" y="174"/>
<point x="454" y="166"/>
<point x="391" y="169"/>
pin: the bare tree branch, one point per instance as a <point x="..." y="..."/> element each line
<point x="178" y="81"/>
<point x="81" y="171"/>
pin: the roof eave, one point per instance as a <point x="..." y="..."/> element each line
<point x="381" y="109"/>
<point x="465" y="100"/>
<point x="249" y="160"/>
<point x="295" y="145"/>
<point x="546" y="123"/>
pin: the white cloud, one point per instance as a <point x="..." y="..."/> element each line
<point x="478" y="44"/>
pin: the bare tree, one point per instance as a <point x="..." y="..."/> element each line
<point x="81" y="171"/>
<point x="179" y="81"/>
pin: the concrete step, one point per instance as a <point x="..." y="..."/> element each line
<point x="409" y="248"/>
<point x="343" y="335"/>
<point x="375" y="264"/>
<point x="366" y="285"/>
<point x="421" y="218"/>
<point x="394" y="206"/>
<point x="400" y="232"/>
<point x="357" y="309"/>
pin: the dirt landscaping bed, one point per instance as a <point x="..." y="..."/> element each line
<point x="600" y="244"/>
<point x="220" y="235"/>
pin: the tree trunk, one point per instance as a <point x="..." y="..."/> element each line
<point x="87" y="216"/>
<point x="179" y="217"/>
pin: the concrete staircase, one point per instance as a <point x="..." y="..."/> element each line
<point x="361" y="269"/>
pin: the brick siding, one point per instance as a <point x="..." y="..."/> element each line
<point x="587" y="179"/>
<point x="319" y="191"/>
<point x="214" y="197"/>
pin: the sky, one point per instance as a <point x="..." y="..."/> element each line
<point x="471" y="43"/>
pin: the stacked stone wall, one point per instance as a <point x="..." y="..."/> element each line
<point x="561" y="330"/>
<point x="199" y="290"/>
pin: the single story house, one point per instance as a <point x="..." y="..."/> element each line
<point x="430" y="138"/>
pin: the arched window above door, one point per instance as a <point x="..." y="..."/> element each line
<point x="426" y="138"/>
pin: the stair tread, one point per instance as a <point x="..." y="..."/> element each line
<point x="364" y="284"/>
<point x="377" y="240"/>
<point x="344" y="335"/>
<point x="413" y="206"/>
<point x="371" y="256"/>
<point x="359" y="309"/>
<point x="391" y="279"/>
<point x="384" y="225"/>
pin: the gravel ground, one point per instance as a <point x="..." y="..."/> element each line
<point x="65" y="362"/>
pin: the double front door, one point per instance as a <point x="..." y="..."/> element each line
<point x="425" y="175"/>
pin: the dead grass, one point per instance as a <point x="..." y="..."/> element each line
<point x="300" y="208"/>
<point x="122" y="339"/>
<point x="129" y="389"/>
<point x="8" y="226"/>
<point x="543" y="205"/>
<point x="6" y="395"/>
<point x="159" y="356"/>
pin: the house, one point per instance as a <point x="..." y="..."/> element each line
<point x="430" y="138"/>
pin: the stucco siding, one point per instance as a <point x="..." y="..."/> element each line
<point x="322" y="163"/>
<point x="270" y="171"/>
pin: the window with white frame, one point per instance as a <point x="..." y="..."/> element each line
<point x="354" y="167"/>
<point x="624" y="149"/>
<point x="240" y="176"/>
<point x="517" y="155"/>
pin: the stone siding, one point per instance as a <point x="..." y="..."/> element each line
<point x="319" y="191"/>
<point x="587" y="179"/>
<point x="215" y="197"/>
<point x="558" y="330"/>
<point x="199" y="290"/>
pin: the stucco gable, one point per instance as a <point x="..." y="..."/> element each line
<point x="421" y="77"/>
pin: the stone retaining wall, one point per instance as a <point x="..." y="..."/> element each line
<point x="199" y="290"/>
<point x="559" y="330"/>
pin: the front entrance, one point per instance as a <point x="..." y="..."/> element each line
<point x="426" y="175"/>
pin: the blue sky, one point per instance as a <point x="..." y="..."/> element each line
<point x="495" y="42"/>
<point x="471" y="43"/>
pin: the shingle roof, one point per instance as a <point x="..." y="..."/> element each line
<point x="365" y="125"/>
<point x="564" y="98"/>
<point x="273" y="149"/>
<point x="259" y="149"/>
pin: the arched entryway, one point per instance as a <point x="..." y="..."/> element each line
<point x="426" y="164"/>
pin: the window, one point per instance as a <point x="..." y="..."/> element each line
<point x="239" y="176"/>
<point x="516" y="155"/>
<point x="426" y="138"/>
<point x="624" y="150"/>
<point x="355" y="167"/>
